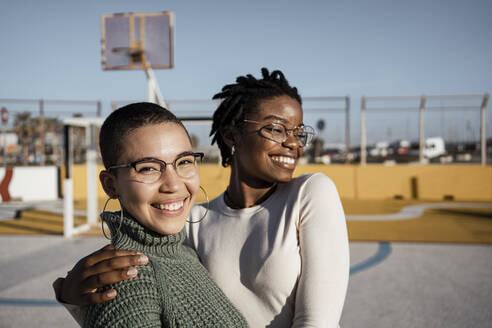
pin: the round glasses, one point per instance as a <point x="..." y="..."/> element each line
<point x="279" y="133"/>
<point x="149" y="170"/>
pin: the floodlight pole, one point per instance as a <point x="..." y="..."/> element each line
<point x="421" y="130"/>
<point x="483" y="137"/>
<point x="363" y="133"/>
<point x="347" y="127"/>
<point x="42" y="132"/>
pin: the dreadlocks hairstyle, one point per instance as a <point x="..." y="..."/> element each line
<point x="243" y="97"/>
<point x="126" y="119"/>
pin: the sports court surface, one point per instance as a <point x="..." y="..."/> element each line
<point x="413" y="264"/>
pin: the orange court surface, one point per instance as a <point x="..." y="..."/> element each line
<point x="367" y="220"/>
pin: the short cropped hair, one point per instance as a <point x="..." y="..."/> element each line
<point x="243" y="97"/>
<point x="126" y="119"/>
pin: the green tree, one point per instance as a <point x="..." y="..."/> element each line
<point x="24" y="127"/>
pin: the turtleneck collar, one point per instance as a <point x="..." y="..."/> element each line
<point x="134" y="236"/>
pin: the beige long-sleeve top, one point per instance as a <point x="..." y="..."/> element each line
<point x="284" y="263"/>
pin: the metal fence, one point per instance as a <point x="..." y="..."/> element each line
<point x="414" y="129"/>
<point x="423" y="129"/>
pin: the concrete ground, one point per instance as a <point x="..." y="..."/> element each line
<point x="391" y="284"/>
<point x="420" y="285"/>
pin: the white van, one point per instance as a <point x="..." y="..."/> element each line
<point x="434" y="147"/>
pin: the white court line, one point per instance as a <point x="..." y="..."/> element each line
<point x="8" y="210"/>
<point x="414" y="211"/>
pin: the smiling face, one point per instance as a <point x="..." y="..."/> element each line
<point x="264" y="161"/>
<point x="162" y="206"/>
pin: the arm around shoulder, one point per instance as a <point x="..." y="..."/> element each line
<point x="136" y="305"/>
<point x="77" y="312"/>
<point x="324" y="249"/>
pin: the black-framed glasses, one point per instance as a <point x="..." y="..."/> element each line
<point x="149" y="170"/>
<point x="279" y="133"/>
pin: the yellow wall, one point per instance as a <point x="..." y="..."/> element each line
<point x="463" y="182"/>
<point x="431" y="182"/>
<point x="344" y="176"/>
<point x="379" y="182"/>
<point x="79" y="177"/>
<point x="213" y="178"/>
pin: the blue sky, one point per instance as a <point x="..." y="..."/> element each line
<point x="51" y="48"/>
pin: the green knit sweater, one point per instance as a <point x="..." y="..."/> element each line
<point x="173" y="290"/>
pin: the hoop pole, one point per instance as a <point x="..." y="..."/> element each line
<point x="150" y="90"/>
<point x="154" y="92"/>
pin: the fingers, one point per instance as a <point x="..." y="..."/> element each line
<point x="105" y="253"/>
<point x="97" y="298"/>
<point x="105" y="266"/>
<point x="115" y="263"/>
<point x="107" y="278"/>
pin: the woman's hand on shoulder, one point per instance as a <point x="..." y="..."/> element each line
<point x="103" y="267"/>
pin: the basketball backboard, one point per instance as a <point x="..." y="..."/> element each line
<point x="137" y="41"/>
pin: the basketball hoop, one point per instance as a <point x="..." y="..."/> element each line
<point x="136" y="54"/>
<point x="137" y="41"/>
<point x="141" y="41"/>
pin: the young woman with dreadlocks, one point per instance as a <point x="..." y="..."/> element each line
<point x="276" y="245"/>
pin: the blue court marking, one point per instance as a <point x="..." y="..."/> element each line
<point x="384" y="251"/>
<point x="27" y="302"/>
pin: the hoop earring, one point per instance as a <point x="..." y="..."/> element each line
<point x="233" y="150"/>
<point x="102" y="220"/>
<point x="208" y="207"/>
